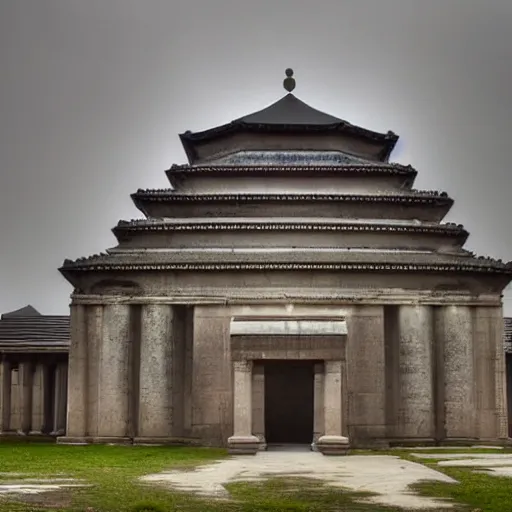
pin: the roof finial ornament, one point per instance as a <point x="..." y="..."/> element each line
<point x="289" y="81"/>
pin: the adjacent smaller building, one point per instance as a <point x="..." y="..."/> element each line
<point x="33" y="372"/>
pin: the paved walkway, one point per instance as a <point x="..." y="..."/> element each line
<point x="386" y="475"/>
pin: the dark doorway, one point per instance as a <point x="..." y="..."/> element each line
<point x="289" y="405"/>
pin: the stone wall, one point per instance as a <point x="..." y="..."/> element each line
<point x="128" y="366"/>
<point x="410" y="372"/>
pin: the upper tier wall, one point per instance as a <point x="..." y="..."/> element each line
<point x="213" y="148"/>
<point x="340" y="184"/>
<point x="276" y="207"/>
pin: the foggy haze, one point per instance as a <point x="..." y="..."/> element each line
<point x="94" y="93"/>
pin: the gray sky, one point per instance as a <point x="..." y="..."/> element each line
<point x="94" y="93"/>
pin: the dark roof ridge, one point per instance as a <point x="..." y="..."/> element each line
<point x="27" y="310"/>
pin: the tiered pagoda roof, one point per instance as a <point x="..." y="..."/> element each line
<point x="290" y="188"/>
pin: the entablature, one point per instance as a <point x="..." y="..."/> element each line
<point x="296" y="297"/>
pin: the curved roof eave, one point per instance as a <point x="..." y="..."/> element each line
<point x="288" y="114"/>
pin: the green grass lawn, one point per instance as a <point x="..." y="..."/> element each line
<point x="112" y="473"/>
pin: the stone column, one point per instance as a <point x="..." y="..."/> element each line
<point x="489" y="374"/>
<point x="41" y="421"/>
<point x="500" y="376"/>
<point x="242" y="441"/>
<point x="258" y="404"/>
<point x="333" y="442"/>
<point x="212" y="375"/>
<point x="77" y="413"/>
<point x="416" y="395"/>
<point x="60" y="399"/>
<point x="25" y="388"/>
<point x="46" y="395"/>
<point x="318" y="419"/>
<point x="365" y="377"/>
<point x="155" y="380"/>
<point x="5" y="395"/>
<point x="94" y="324"/>
<point x="459" y="388"/>
<point x="114" y="392"/>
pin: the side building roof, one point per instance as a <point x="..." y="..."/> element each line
<point x="26" y="330"/>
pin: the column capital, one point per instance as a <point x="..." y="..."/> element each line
<point x="242" y="366"/>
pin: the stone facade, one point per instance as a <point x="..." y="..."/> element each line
<point x="288" y="245"/>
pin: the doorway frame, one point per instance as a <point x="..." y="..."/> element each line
<point x="255" y="340"/>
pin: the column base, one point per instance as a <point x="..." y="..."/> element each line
<point x="263" y="442"/>
<point x="333" y="445"/>
<point x="314" y="447"/>
<point x="94" y="440"/>
<point x="243" y="445"/>
<point x="165" y="441"/>
<point x="73" y="440"/>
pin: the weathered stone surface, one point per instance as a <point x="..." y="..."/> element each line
<point x="416" y="397"/>
<point x="258" y="404"/>
<point x="5" y="395"/>
<point x="76" y="425"/>
<point x="212" y="372"/>
<point x="366" y="384"/>
<point x="156" y="364"/>
<point x="459" y="376"/>
<point x="114" y="392"/>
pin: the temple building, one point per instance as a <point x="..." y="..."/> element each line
<point x="291" y="286"/>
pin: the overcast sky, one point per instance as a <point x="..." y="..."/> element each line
<point x="93" y="94"/>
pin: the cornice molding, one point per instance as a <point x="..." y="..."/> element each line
<point x="89" y="265"/>
<point x="377" y="168"/>
<point x="412" y="197"/>
<point x="157" y="225"/>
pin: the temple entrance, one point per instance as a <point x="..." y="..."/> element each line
<point x="289" y="392"/>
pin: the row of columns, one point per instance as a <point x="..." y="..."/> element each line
<point x="448" y="372"/>
<point x="435" y="369"/>
<point x="49" y="405"/>
<point x="122" y="362"/>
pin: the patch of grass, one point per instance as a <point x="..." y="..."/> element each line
<point x="480" y="491"/>
<point x="407" y="451"/>
<point x="112" y="471"/>
<point x="301" y="495"/>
